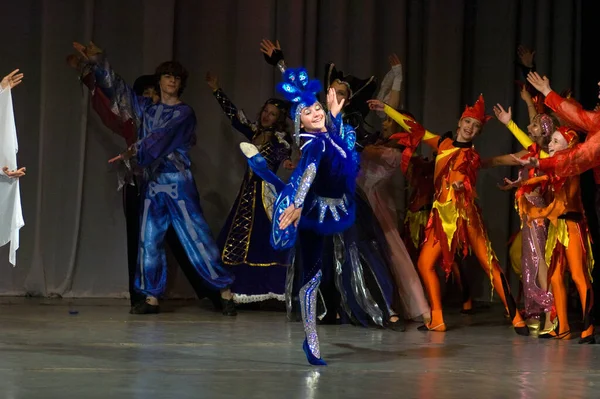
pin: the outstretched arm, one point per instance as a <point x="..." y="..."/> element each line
<point x="102" y="104"/>
<point x="273" y="54"/>
<point x="505" y="117"/>
<point x="588" y="121"/>
<point x="574" y="161"/>
<point x="123" y="99"/>
<point x="526" y="97"/>
<point x="406" y="122"/>
<point x="236" y="116"/>
<point x="503" y="160"/>
<point x="389" y="91"/>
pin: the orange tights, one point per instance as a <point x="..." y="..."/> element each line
<point x="574" y="259"/>
<point x="431" y="253"/>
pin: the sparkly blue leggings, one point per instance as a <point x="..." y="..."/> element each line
<point x="311" y="251"/>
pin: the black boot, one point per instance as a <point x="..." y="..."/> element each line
<point x="145" y="308"/>
<point x="228" y="307"/>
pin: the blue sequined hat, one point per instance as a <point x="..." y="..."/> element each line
<point x="301" y="92"/>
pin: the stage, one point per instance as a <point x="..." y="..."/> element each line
<point x="95" y="349"/>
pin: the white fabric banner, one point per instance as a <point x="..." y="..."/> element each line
<point x="11" y="216"/>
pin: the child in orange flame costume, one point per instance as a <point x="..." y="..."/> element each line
<point x="568" y="243"/>
<point x="419" y="173"/>
<point x="455" y="220"/>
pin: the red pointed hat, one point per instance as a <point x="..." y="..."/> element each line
<point x="477" y="111"/>
<point x="569" y="134"/>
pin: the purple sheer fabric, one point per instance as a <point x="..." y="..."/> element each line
<point x="537" y="299"/>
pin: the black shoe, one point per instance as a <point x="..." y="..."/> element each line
<point x="522" y="330"/>
<point x="397" y="325"/>
<point x="589" y="340"/>
<point x="469" y="312"/>
<point x="228" y="307"/>
<point x="145" y="308"/>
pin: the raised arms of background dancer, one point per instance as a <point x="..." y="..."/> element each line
<point x="125" y="128"/>
<point x="11" y="81"/>
<point x="162" y="141"/>
<point x="581" y="157"/>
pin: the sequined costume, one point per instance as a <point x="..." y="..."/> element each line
<point x="129" y="185"/>
<point x="363" y="290"/>
<point x="260" y="271"/>
<point x="323" y="186"/>
<point x="533" y="232"/>
<point x="455" y="221"/>
<point x="170" y="197"/>
<point x="568" y="243"/>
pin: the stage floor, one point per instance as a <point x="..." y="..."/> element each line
<point x="192" y="352"/>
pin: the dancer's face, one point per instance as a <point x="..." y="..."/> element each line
<point x="269" y="115"/>
<point x="389" y="127"/>
<point x="468" y="129"/>
<point x="170" y="84"/>
<point x="535" y="129"/>
<point x="557" y="143"/>
<point x="341" y="91"/>
<point x="312" y="119"/>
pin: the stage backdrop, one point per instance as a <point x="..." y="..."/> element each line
<point x="73" y="243"/>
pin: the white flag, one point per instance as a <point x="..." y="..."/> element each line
<point x="11" y="216"/>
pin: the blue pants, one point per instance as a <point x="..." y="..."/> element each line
<point x="172" y="199"/>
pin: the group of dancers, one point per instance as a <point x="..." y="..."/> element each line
<point x="328" y="240"/>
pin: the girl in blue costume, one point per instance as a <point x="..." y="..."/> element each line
<point x="167" y="131"/>
<point x="357" y="283"/>
<point x="260" y="270"/>
<point x="319" y="198"/>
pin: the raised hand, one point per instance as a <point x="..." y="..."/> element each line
<point x="115" y="159"/>
<point x="267" y="47"/>
<point x="525" y="95"/>
<point x="124" y="156"/>
<point x="87" y="52"/>
<point x="509" y="184"/>
<point x="289" y="216"/>
<point x="376" y="105"/>
<point x="394" y="60"/>
<point x="526" y="56"/>
<point x="12" y="80"/>
<point x="80" y="48"/>
<point x="528" y="163"/>
<point x="332" y="102"/>
<point x="502" y="115"/>
<point x="541" y="84"/>
<point x="212" y="81"/>
<point x="15" y="174"/>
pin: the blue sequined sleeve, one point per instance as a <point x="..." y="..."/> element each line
<point x="176" y="132"/>
<point x="336" y="126"/>
<point x="306" y="171"/>
<point x="123" y="100"/>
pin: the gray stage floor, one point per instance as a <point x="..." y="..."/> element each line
<point x="191" y="352"/>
